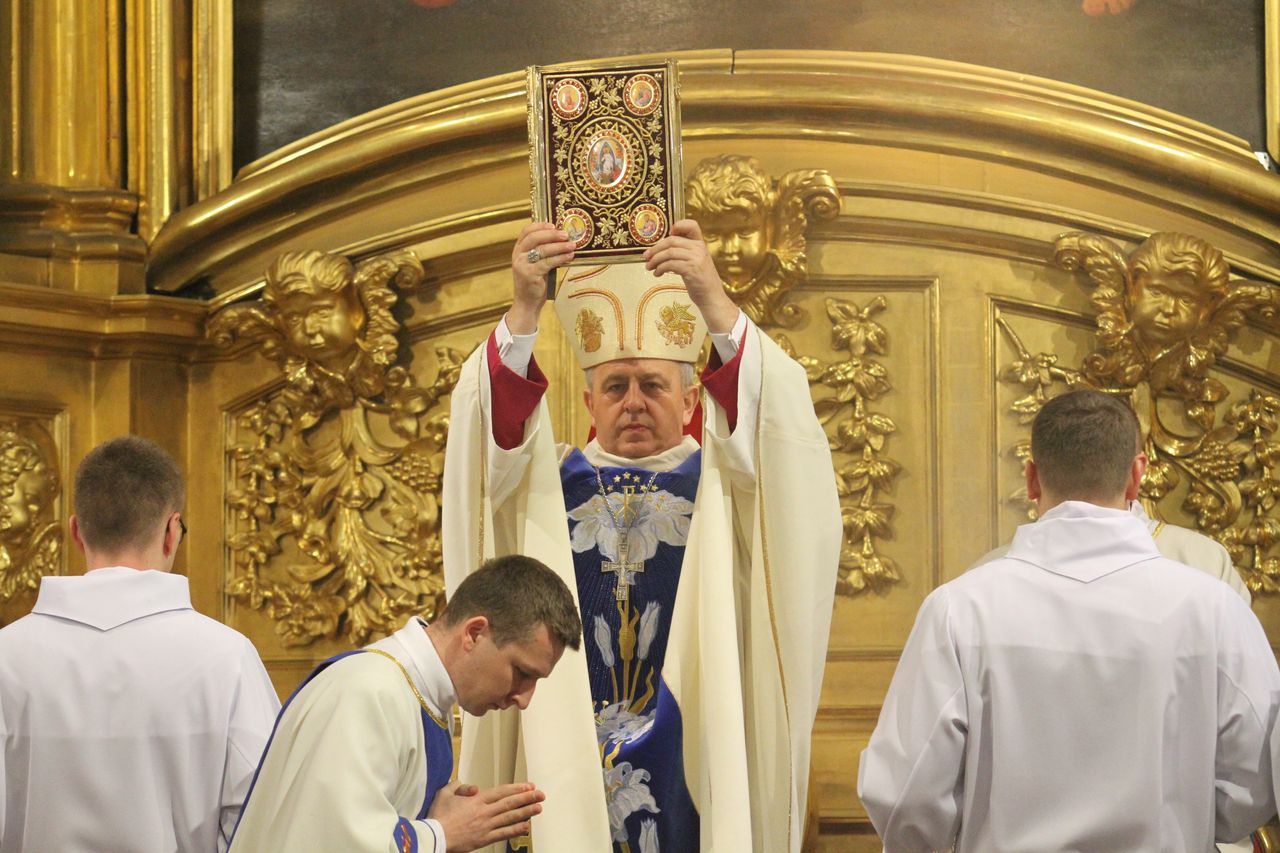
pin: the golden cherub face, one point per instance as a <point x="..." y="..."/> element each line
<point x="739" y="243"/>
<point x="30" y="494"/>
<point x="322" y="326"/>
<point x="1166" y="307"/>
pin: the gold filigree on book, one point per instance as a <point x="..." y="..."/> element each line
<point x="30" y="533"/>
<point x="604" y="154"/>
<point x="865" y="473"/>
<point x="755" y="226"/>
<point x="334" y="505"/>
<point x="1166" y="313"/>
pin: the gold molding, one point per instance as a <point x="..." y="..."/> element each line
<point x="920" y="230"/>
<point x="44" y="320"/>
<point x="899" y="102"/>
<point x="212" y="95"/>
<point x="1271" y="26"/>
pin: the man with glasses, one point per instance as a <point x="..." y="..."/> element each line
<point x="128" y="720"/>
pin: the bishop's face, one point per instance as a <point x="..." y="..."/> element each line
<point x="638" y="406"/>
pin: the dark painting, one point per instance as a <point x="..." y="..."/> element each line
<point x="303" y="65"/>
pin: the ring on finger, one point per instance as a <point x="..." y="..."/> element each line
<point x="533" y="256"/>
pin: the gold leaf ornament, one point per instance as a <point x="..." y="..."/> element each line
<point x="333" y="514"/>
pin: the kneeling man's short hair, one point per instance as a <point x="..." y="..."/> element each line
<point x="515" y="593"/>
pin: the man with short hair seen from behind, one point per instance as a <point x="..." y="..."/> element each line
<point x="1082" y="692"/>
<point x="129" y="721"/>
<point x="362" y="754"/>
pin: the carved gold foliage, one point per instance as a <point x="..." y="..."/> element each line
<point x="334" y="506"/>
<point x="754" y="227"/>
<point x="30" y="535"/>
<point x="1165" y="314"/>
<point x="865" y="473"/>
<point x="1038" y="374"/>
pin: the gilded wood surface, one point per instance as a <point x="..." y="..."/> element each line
<point x="333" y="499"/>
<point x="1166" y="315"/>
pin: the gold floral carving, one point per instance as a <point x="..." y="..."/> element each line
<point x="675" y="323"/>
<point x="1166" y="313"/>
<point x="864" y="472"/>
<point x="755" y="226"/>
<point x="30" y="533"/>
<point x="334" y="513"/>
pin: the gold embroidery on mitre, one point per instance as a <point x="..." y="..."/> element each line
<point x="589" y="329"/>
<point x="675" y="323"/>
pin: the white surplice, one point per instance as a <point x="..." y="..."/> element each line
<point x="1081" y="693"/>
<point x="129" y="721"/>
<point x="750" y="624"/>
<point x="1177" y="543"/>
<point x="347" y="760"/>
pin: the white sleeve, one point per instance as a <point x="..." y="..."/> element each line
<point x="911" y="775"/>
<point x="253" y="712"/>
<point x="507" y="467"/>
<point x="726" y="343"/>
<point x="516" y="351"/>
<point x="1248" y="698"/>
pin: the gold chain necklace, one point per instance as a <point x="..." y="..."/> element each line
<point x="623" y="567"/>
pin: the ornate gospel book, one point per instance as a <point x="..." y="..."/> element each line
<point x="604" y="155"/>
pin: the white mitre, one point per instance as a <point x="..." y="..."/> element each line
<point x="623" y="311"/>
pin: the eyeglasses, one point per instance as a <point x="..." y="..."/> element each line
<point x="182" y="525"/>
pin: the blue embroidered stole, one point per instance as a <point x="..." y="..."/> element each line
<point x="627" y="596"/>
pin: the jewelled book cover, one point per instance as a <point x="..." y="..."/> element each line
<point x="604" y="155"/>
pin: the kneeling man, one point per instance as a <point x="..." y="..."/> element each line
<point x="363" y="750"/>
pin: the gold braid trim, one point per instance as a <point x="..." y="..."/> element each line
<point x="417" y="695"/>
<point x="768" y="578"/>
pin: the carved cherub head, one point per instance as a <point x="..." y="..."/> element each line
<point x="1175" y="283"/>
<point x="30" y="542"/>
<point x="754" y="227"/>
<point x="319" y="310"/>
<point x="1165" y="313"/>
<point x="327" y="323"/>
<point x="28" y="482"/>
<point x="733" y="201"/>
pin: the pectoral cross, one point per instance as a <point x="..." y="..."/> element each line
<point x="625" y="569"/>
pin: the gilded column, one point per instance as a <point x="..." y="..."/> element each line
<point x="66" y="216"/>
<point x="158" y="50"/>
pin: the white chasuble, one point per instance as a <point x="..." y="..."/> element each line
<point x="747" y="637"/>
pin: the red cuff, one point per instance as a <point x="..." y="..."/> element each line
<point x="721" y="381"/>
<point x="513" y="397"/>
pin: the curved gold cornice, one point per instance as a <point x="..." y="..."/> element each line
<point x="870" y="99"/>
